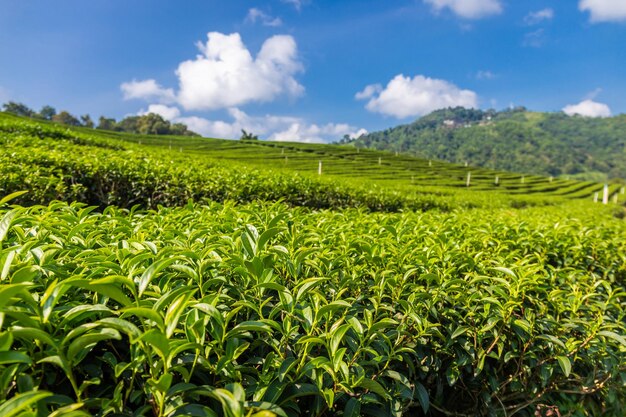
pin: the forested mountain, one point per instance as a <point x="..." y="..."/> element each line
<point x="514" y="140"/>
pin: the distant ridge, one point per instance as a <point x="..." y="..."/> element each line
<point x="517" y="140"/>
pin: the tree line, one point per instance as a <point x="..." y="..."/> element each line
<point x="148" y="124"/>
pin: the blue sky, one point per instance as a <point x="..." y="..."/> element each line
<point x="312" y="70"/>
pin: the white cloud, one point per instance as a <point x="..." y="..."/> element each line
<point x="255" y="15"/>
<point x="485" y="75"/>
<point x="227" y="75"/>
<point x="369" y="92"/>
<point x="299" y="132"/>
<point x="468" y="9"/>
<point x="534" y="18"/>
<point x="296" y="3"/>
<point x="417" y="96"/>
<point x="147" y="90"/>
<point x="588" y="108"/>
<point x="593" y="94"/>
<point x="604" y="10"/>
<point x="535" y="39"/>
<point x="279" y="128"/>
<point x="168" y="113"/>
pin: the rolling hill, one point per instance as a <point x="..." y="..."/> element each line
<point x="551" y="144"/>
<point x="103" y="168"/>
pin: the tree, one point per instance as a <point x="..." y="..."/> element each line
<point x="179" y="129"/>
<point x="18" y="109"/>
<point x="129" y="124"/>
<point x="47" y="112"/>
<point x="66" y="118"/>
<point x="153" y="124"/>
<point x="86" y="120"/>
<point x="248" y="135"/>
<point x="105" y="123"/>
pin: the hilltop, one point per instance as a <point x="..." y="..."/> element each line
<point x="514" y="140"/>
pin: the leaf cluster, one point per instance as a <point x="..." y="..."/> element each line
<point x="265" y="310"/>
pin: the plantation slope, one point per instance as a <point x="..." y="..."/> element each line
<point x="226" y="310"/>
<point x="385" y="168"/>
<point x="103" y="168"/>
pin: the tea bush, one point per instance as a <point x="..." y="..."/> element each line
<point x="266" y="310"/>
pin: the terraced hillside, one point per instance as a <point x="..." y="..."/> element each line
<point x="384" y="169"/>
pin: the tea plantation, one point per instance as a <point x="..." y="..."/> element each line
<point x="152" y="276"/>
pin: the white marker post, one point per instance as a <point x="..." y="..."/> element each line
<point x="396" y="153"/>
<point x="595" y="197"/>
<point x="523" y="179"/>
<point x="466" y="164"/>
<point x="180" y="150"/>
<point x="615" y="198"/>
<point x="469" y="177"/>
<point x="623" y="190"/>
<point x="551" y="179"/>
<point x="319" y="168"/>
<point x="380" y="160"/>
<point x="497" y="182"/>
<point x="286" y="159"/>
<point x="605" y="194"/>
<point x="430" y="163"/>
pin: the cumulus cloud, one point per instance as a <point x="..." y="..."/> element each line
<point x="417" y="96"/>
<point x="313" y="133"/>
<point x="604" y="10"/>
<point x="148" y="90"/>
<point x="279" y="128"/>
<point x="226" y="74"/>
<point x="588" y="108"/>
<point x="168" y="113"/>
<point x="257" y="15"/>
<point x="534" y="18"/>
<point x="369" y="92"/>
<point x="468" y="9"/>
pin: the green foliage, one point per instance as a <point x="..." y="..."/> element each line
<point x="18" y="109"/>
<point x="248" y="135"/>
<point x="47" y="112"/>
<point x="147" y="124"/>
<point x="65" y="118"/>
<point x="339" y="300"/>
<point x="226" y="310"/>
<point x="104" y="172"/>
<point x="108" y="168"/>
<point x="540" y="143"/>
